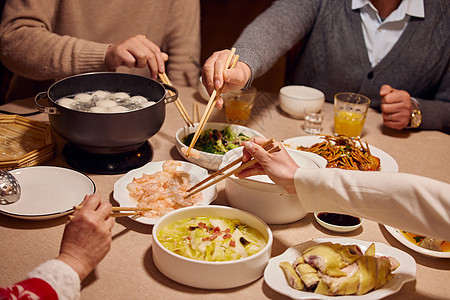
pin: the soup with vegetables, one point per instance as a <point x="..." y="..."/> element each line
<point x="211" y="239"/>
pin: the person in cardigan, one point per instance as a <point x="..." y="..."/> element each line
<point x="396" y="52"/>
<point x="45" y="40"/>
<point x="86" y="241"/>
<point x="405" y="201"/>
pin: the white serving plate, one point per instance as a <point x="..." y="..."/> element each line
<point x="388" y="163"/>
<point x="48" y="192"/>
<point x="122" y="196"/>
<point x="275" y="278"/>
<point x="402" y="239"/>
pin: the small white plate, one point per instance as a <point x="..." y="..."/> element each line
<point x="48" y="192"/>
<point x="338" y="228"/>
<point x="388" y="163"/>
<point x="402" y="239"/>
<point x="275" y="278"/>
<point x="122" y="196"/>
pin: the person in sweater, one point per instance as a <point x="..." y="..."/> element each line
<point x="85" y="242"/>
<point x="405" y="201"/>
<point x="45" y="40"/>
<point x="395" y="52"/>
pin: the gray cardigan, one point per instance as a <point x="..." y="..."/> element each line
<point x="334" y="55"/>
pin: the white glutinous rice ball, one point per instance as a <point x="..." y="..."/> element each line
<point x="97" y="109"/>
<point x="118" y="109"/>
<point x="106" y="103"/>
<point x="148" y="103"/>
<point x="100" y="94"/>
<point x="138" y="99"/>
<point x="120" y="96"/>
<point x="66" y="102"/>
<point x="83" y="97"/>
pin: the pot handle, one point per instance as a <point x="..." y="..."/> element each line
<point x="44" y="109"/>
<point x="174" y="96"/>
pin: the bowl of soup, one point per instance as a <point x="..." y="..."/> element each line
<point x="211" y="247"/>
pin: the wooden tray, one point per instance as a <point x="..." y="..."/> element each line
<point x="24" y="142"/>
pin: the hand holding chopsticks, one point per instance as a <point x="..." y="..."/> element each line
<point x="165" y="79"/>
<point x="268" y="146"/>
<point x="230" y="63"/>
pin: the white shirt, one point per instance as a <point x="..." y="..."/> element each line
<point x="381" y="35"/>
<point x="404" y="201"/>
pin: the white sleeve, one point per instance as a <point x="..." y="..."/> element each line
<point x="404" y="201"/>
<point x="63" y="279"/>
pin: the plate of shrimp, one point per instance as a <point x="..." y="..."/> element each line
<point x="162" y="186"/>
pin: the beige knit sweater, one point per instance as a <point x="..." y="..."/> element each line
<point x="45" y="40"/>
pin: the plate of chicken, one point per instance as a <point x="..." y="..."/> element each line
<point x="346" y="268"/>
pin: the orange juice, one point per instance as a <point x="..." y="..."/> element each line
<point x="238" y="112"/>
<point x="348" y="123"/>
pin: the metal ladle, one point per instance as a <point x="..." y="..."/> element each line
<point x="9" y="188"/>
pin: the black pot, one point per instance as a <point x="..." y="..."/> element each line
<point x="106" y="133"/>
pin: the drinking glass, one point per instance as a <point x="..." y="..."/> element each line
<point x="350" y="111"/>
<point x="313" y="121"/>
<point x="238" y="105"/>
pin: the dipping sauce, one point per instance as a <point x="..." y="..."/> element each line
<point x="338" y="219"/>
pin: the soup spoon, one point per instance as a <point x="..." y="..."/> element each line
<point x="9" y="188"/>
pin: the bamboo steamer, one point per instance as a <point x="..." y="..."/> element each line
<point x="24" y="142"/>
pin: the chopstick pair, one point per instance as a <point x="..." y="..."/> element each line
<point x="117" y="211"/>
<point x="268" y="146"/>
<point x="165" y="79"/>
<point x="230" y="63"/>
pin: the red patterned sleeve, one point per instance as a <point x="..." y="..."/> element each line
<point x="29" y="289"/>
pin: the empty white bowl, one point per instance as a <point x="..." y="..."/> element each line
<point x="295" y="99"/>
<point x="338" y="228"/>
<point x="211" y="275"/>
<point x="260" y="196"/>
<point x="209" y="160"/>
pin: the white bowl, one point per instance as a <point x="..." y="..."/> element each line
<point x="209" y="160"/>
<point x="260" y="196"/>
<point x="295" y="99"/>
<point x="202" y="90"/>
<point x="211" y="275"/>
<point x="338" y="228"/>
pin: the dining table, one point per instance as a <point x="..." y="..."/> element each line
<point x="129" y="272"/>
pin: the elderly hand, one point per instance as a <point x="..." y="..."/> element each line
<point x="279" y="166"/>
<point x="395" y="106"/>
<point x="136" y="52"/>
<point x="215" y="75"/>
<point x="87" y="238"/>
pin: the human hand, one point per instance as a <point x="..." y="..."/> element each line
<point x="215" y="74"/>
<point x="395" y="107"/>
<point x="136" y="52"/>
<point x="279" y="165"/>
<point x="87" y="237"/>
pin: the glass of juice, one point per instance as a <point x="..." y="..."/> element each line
<point x="350" y="111"/>
<point x="238" y="105"/>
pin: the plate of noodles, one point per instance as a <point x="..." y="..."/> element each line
<point x="161" y="188"/>
<point x="337" y="150"/>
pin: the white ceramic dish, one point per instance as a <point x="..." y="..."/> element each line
<point x="295" y="99"/>
<point x="388" y="163"/>
<point x="121" y="194"/>
<point x="402" y="239"/>
<point x="211" y="275"/>
<point x="202" y="90"/>
<point x="48" y="192"/>
<point x="275" y="279"/>
<point x="260" y="196"/>
<point x="337" y="228"/>
<point x="209" y="160"/>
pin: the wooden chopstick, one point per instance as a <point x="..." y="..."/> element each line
<point x="165" y="79"/>
<point x="212" y="102"/>
<point x="196" y="112"/>
<point x="117" y="211"/>
<point x="235" y="171"/>
<point x="266" y="145"/>
<point x="118" y="208"/>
